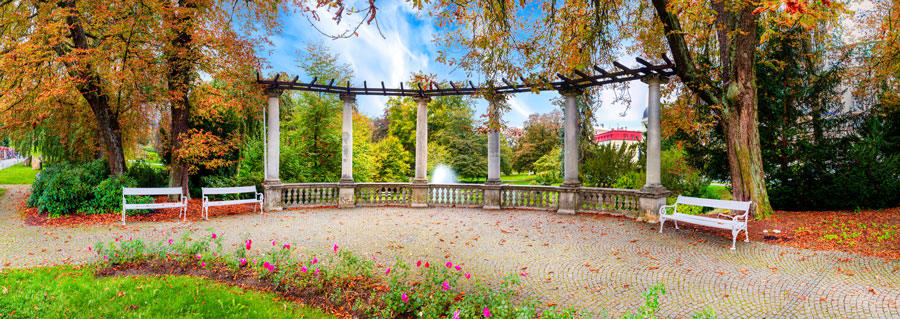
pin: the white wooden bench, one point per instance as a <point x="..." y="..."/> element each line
<point x="181" y="203"/>
<point x="736" y="223"/>
<point x="230" y="190"/>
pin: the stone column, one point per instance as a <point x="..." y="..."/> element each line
<point x="273" y="180"/>
<point x="420" y="181"/>
<point x="654" y="194"/>
<point x="346" y="185"/>
<point x="568" y="199"/>
<point x="493" y="184"/>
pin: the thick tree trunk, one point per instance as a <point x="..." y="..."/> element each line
<point x="736" y="30"/>
<point x="180" y="57"/>
<point x="91" y="89"/>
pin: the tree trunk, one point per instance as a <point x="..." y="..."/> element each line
<point x="180" y="59"/>
<point x="91" y="89"/>
<point x="736" y="29"/>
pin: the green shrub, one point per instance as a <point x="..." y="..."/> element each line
<point x="549" y="168"/>
<point x="146" y="175"/>
<point x="108" y="194"/>
<point x="66" y="191"/>
<point x="85" y="189"/>
<point x="631" y="180"/>
<point x="678" y="176"/>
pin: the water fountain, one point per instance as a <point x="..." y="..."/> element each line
<point x="443" y="174"/>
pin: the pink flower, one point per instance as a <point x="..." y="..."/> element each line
<point x="315" y="260"/>
<point x="243" y="261"/>
<point x="170" y="241"/>
<point x="458" y="268"/>
<point x="468" y="276"/>
<point x="456" y="314"/>
<point x="214" y="254"/>
<point x="203" y="264"/>
<point x="286" y="246"/>
<point x="418" y="263"/>
<point x="388" y="271"/>
<point x="373" y="256"/>
<point x="304" y="269"/>
<point x="214" y="236"/>
<point x="105" y="257"/>
<point x="486" y="312"/>
<point x="335" y="247"/>
<point x="269" y="266"/>
<point x="199" y="256"/>
<point x="446" y="286"/>
<point x="273" y="243"/>
<point x="89" y="249"/>
<point x="316" y="272"/>
<point x="449" y="264"/>
<point x="426" y="265"/>
<point x="404" y="297"/>
<point x="248" y="244"/>
<point x="524" y="274"/>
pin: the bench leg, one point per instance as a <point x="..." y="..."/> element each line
<point x="676" y="223"/>
<point x="662" y="221"/>
<point x="123" y="216"/>
<point x="747" y="235"/>
<point x="734" y="234"/>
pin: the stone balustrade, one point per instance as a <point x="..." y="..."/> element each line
<point x="305" y="194"/>
<point x="628" y="202"/>
<point x="609" y="200"/>
<point x="529" y="197"/>
<point x="456" y="195"/>
<point x="378" y="194"/>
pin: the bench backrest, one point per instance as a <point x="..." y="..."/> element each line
<point x="152" y="191"/>
<point x="228" y="190"/>
<point x="715" y="203"/>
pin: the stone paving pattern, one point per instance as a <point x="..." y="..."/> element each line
<point x="586" y="262"/>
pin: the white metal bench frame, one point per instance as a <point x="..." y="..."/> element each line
<point x="736" y="223"/>
<point x="181" y="203"/>
<point x="230" y="190"/>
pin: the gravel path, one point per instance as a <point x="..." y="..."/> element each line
<point x="586" y="262"/>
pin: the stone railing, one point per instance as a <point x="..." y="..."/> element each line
<point x="456" y="195"/>
<point x="375" y="194"/>
<point x="531" y="197"/>
<point x="608" y="200"/>
<point x="551" y="198"/>
<point x="308" y="194"/>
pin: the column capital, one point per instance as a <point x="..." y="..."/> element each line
<point x="270" y="92"/>
<point x="420" y="99"/>
<point x="570" y="91"/>
<point x="655" y="78"/>
<point x="348" y="97"/>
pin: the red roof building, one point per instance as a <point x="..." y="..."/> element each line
<point x="619" y="135"/>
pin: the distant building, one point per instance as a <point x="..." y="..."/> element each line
<point x="619" y="137"/>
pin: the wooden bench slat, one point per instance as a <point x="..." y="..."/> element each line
<point x="153" y="205"/>
<point x="152" y="191"/>
<point x="703" y="220"/>
<point x="231" y="202"/>
<point x="228" y="190"/>
<point x="714" y="203"/>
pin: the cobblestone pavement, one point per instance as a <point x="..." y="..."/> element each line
<point x="586" y="262"/>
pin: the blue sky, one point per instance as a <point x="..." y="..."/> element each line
<point x="406" y="47"/>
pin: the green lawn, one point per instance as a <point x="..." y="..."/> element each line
<point x="64" y="292"/>
<point x="2" y="191"/>
<point x="17" y="174"/>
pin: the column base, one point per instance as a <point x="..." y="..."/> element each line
<point x="419" y="194"/>
<point x="346" y="194"/>
<point x="568" y="199"/>
<point x="652" y="198"/>
<point x="492" y="194"/>
<point x="272" y="195"/>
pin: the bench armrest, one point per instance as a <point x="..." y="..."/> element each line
<point x="259" y="196"/>
<point x="662" y="209"/>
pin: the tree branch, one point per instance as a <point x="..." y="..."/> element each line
<point x="708" y="91"/>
